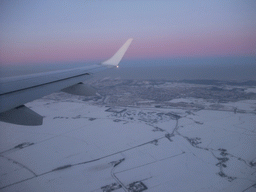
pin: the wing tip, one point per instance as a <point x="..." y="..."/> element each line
<point x="117" y="57"/>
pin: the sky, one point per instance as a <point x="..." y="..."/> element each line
<point x="58" y="31"/>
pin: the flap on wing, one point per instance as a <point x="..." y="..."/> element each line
<point x="116" y="58"/>
<point x="80" y="89"/>
<point x="21" y="116"/>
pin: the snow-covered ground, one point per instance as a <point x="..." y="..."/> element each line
<point x="86" y="147"/>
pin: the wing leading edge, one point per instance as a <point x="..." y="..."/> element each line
<point x="16" y="91"/>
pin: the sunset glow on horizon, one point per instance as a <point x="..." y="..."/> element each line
<point x="36" y="32"/>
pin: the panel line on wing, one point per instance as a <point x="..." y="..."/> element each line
<point x="27" y="88"/>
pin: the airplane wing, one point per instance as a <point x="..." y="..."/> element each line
<point x="16" y="91"/>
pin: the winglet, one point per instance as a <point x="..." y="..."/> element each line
<point x="116" y="58"/>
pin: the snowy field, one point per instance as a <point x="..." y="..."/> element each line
<point x="83" y="146"/>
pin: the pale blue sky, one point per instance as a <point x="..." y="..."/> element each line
<point x="40" y="28"/>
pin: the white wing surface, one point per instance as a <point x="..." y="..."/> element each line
<point x="16" y="91"/>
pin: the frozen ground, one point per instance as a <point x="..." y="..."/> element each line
<point x="134" y="143"/>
